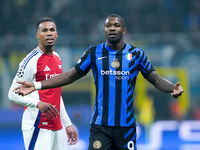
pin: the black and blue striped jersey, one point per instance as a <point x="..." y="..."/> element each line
<point x="115" y="74"/>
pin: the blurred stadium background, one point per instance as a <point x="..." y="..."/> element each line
<point x="167" y="30"/>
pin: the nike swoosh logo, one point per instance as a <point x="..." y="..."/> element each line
<point x="102" y="57"/>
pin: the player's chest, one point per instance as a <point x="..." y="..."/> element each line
<point x="48" y="67"/>
<point x="115" y="62"/>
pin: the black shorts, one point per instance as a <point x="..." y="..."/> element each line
<point x="112" y="138"/>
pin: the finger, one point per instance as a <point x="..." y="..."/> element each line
<point x="21" y="82"/>
<point x="179" y="94"/>
<point x="71" y="140"/>
<point x="49" y="112"/>
<point x="75" y="141"/>
<point x="68" y="139"/>
<point x="71" y="143"/>
<point x="177" y="84"/>
<point x="21" y="94"/>
<point x="53" y="110"/>
<point x="16" y="92"/>
<point x="50" y="115"/>
<point x="46" y="115"/>
<point x="16" y="89"/>
<point x="75" y="138"/>
<point x="174" y="95"/>
<point x="76" y="135"/>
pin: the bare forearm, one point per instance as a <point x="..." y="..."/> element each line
<point x="160" y="83"/>
<point x="164" y="85"/>
<point x="66" y="78"/>
<point x="61" y="79"/>
<point x="57" y="81"/>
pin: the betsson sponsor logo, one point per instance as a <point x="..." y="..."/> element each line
<point x="119" y="75"/>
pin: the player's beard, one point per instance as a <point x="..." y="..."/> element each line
<point x="113" y="40"/>
<point x="50" y="46"/>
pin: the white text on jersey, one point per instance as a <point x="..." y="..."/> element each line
<point x="49" y="76"/>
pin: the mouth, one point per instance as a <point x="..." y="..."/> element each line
<point x="49" y="40"/>
<point x="112" y="35"/>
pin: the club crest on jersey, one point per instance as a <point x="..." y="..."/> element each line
<point x="115" y="64"/>
<point x="97" y="144"/>
<point x="129" y="56"/>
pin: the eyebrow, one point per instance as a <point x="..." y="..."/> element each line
<point x="48" y="28"/>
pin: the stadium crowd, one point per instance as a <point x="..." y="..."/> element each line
<point x="84" y="17"/>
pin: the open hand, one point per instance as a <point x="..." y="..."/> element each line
<point x="25" y="88"/>
<point x="178" y="90"/>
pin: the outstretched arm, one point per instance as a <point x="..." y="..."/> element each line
<point x="164" y="85"/>
<point x="44" y="107"/>
<point x="57" y="81"/>
<point x="61" y="79"/>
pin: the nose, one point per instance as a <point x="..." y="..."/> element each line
<point x="49" y="33"/>
<point x="112" y="28"/>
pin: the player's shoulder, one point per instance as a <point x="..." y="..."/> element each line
<point x="96" y="47"/>
<point x="36" y="52"/>
<point x="89" y="50"/>
<point x="56" y="54"/>
<point x="132" y="48"/>
<point x="31" y="57"/>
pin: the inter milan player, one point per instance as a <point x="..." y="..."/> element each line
<point x="115" y="65"/>
<point x="44" y="114"/>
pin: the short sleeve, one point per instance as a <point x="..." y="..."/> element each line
<point x="84" y="63"/>
<point x="145" y="65"/>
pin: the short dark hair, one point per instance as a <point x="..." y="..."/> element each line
<point x="44" y="19"/>
<point x="117" y="16"/>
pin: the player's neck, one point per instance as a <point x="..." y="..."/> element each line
<point x="117" y="47"/>
<point x="48" y="50"/>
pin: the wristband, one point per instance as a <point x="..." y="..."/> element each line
<point x="38" y="85"/>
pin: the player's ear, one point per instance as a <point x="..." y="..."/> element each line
<point x="104" y="30"/>
<point x="124" y="30"/>
<point x="56" y="34"/>
<point x="37" y="35"/>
